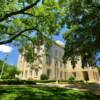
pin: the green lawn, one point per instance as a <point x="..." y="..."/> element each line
<point x="43" y="93"/>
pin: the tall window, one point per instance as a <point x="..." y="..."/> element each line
<point x="86" y="76"/>
<point x="64" y="65"/>
<point x="25" y="73"/>
<point x="21" y="74"/>
<point x="61" y="64"/>
<point x="65" y="75"/>
<point x="61" y="75"/>
<point x="74" y="74"/>
<point x="36" y="72"/>
<point x="56" y="63"/>
<point x="55" y="52"/>
<point x="48" y="73"/>
<point x="48" y="60"/>
<point x="30" y="72"/>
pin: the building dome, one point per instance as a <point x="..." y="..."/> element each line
<point x="60" y="42"/>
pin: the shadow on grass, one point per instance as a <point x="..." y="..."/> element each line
<point x="43" y="93"/>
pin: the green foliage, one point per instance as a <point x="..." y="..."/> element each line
<point x="44" y="77"/>
<point x="44" y="81"/>
<point x="9" y="71"/>
<point x="71" y="79"/>
<point x="82" y="19"/>
<point x="36" y="17"/>
<point x="16" y="82"/>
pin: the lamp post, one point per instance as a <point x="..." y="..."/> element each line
<point x="56" y="67"/>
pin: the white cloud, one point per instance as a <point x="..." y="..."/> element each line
<point x="60" y="42"/>
<point x="5" y="49"/>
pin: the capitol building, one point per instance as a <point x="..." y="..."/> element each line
<point x="50" y="63"/>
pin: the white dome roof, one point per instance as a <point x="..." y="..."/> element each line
<point x="60" y="42"/>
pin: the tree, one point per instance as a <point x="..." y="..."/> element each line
<point x="7" y="15"/>
<point x="26" y="16"/>
<point x="9" y="71"/>
<point x="83" y="21"/>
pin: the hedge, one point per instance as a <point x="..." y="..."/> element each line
<point x="44" y="81"/>
<point x="32" y="82"/>
<point x="16" y="82"/>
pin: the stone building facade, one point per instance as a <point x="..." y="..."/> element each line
<point x="50" y="63"/>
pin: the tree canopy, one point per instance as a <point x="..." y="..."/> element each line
<point x="47" y="17"/>
<point x="25" y="16"/>
<point x="82" y="18"/>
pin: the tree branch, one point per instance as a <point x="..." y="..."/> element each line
<point x="19" y="11"/>
<point x="15" y="36"/>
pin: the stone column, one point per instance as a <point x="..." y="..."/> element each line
<point x="79" y="75"/>
<point x="91" y="75"/>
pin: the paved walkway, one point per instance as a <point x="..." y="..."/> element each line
<point x="93" y="88"/>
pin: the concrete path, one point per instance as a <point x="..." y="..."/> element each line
<point x="93" y="88"/>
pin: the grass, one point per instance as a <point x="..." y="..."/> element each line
<point x="43" y="93"/>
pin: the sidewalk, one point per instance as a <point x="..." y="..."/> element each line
<point x="93" y="88"/>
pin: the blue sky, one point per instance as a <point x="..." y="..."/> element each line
<point x="12" y="57"/>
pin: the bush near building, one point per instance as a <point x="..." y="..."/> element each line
<point x="44" y="77"/>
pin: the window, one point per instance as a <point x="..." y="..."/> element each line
<point x="30" y="72"/>
<point x="25" y="73"/>
<point x="36" y="72"/>
<point x="74" y="74"/>
<point x="61" y="75"/>
<point x="65" y="75"/>
<point x="64" y="65"/>
<point x="56" y="63"/>
<point x="48" y="73"/>
<point x="86" y="76"/>
<point x="56" y="53"/>
<point x="48" y="60"/>
<point x="21" y="74"/>
<point x="60" y="63"/>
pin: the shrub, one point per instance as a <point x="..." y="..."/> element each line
<point x="71" y="79"/>
<point x="45" y="81"/>
<point x="16" y="82"/>
<point x="44" y="77"/>
<point x="29" y="82"/>
<point x="79" y="81"/>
